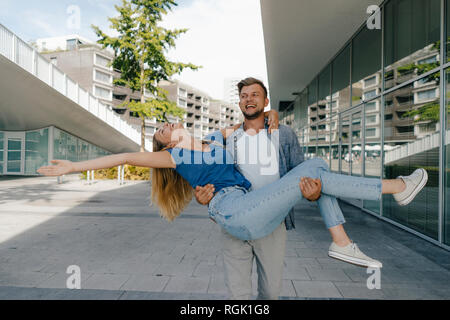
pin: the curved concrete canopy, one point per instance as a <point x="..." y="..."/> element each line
<point x="27" y="103"/>
<point x="301" y="36"/>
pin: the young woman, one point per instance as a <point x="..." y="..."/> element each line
<point x="180" y="163"/>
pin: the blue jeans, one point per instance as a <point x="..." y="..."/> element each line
<point x="252" y="215"/>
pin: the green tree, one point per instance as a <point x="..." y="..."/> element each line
<point x="140" y="55"/>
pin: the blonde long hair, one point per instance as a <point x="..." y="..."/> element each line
<point x="170" y="191"/>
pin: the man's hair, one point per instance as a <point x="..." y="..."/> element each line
<point x="248" y="82"/>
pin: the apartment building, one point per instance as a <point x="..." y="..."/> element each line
<point x="230" y="90"/>
<point x="203" y="114"/>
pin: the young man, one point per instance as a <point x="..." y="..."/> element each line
<point x="262" y="158"/>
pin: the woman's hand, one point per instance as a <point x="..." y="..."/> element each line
<point x="62" y="167"/>
<point x="273" y="120"/>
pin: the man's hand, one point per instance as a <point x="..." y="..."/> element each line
<point x="311" y="188"/>
<point x="204" y="194"/>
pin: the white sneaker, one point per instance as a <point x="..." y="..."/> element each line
<point x="414" y="183"/>
<point x="352" y="254"/>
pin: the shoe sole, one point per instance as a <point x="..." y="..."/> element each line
<point x="353" y="260"/>
<point x="419" y="187"/>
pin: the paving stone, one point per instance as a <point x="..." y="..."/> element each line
<point x="23" y="279"/>
<point x="121" y="242"/>
<point x="291" y="272"/>
<point x="316" y="289"/>
<point x="145" y="283"/>
<point x="187" y="284"/>
<point x="217" y="285"/>
<point x="353" y="290"/>
<point x="327" y="274"/>
<point x="287" y="289"/>
<point x="105" y="281"/>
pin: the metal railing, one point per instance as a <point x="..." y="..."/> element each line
<point x="27" y="57"/>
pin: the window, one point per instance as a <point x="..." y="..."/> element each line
<point x="340" y="83"/>
<point x="366" y="61"/>
<point x="370" y="82"/>
<point x="370" y="94"/>
<point x="72" y="44"/>
<point x="426" y="95"/>
<point x="54" y="61"/>
<point x="312" y="94"/>
<point x="103" y="77"/>
<point x="427" y="60"/>
<point x="102" y="93"/>
<point x="102" y="61"/>
<point x="404" y="18"/>
<point x="182" y="103"/>
<point x="182" y="92"/>
<point x="371" y="106"/>
<point x="324" y="83"/>
<point x="371" y="119"/>
<point x="371" y="132"/>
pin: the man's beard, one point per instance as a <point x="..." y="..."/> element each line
<point x="252" y="116"/>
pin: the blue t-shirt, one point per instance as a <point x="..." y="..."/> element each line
<point x="214" y="167"/>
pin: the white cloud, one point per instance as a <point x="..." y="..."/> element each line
<point x="225" y="37"/>
<point x="40" y="20"/>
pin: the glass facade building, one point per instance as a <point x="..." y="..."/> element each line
<point x="22" y="153"/>
<point x="379" y="108"/>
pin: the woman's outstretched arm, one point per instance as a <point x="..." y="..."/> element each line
<point x="161" y="159"/>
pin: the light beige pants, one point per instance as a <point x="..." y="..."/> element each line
<point x="238" y="256"/>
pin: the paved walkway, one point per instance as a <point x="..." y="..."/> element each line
<point x="126" y="251"/>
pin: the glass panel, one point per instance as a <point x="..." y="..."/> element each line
<point x="356" y="156"/>
<point x="36" y="150"/>
<point x="312" y="145"/>
<point x="345" y="138"/>
<point x="14" y="155"/>
<point x="312" y="92"/>
<point x="15" y="144"/>
<point x="341" y="81"/>
<point x="2" y="137"/>
<point x="313" y="120"/>
<point x="324" y="83"/>
<point x="412" y="141"/>
<point x="412" y="34"/>
<point x="366" y="65"/>
<point x="372" y="147"/>
<point x="448" y="28"/>
<point x="323" y="141"/>
<point x="334" y="137"/>
<point x="59" y="144"/>
<point x="446" y="224"/>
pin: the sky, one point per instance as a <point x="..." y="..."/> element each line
<point x="225" y="37"/>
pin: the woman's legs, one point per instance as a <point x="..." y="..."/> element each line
<point x="255" y="214"/>
<point x="392" y="186"/>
